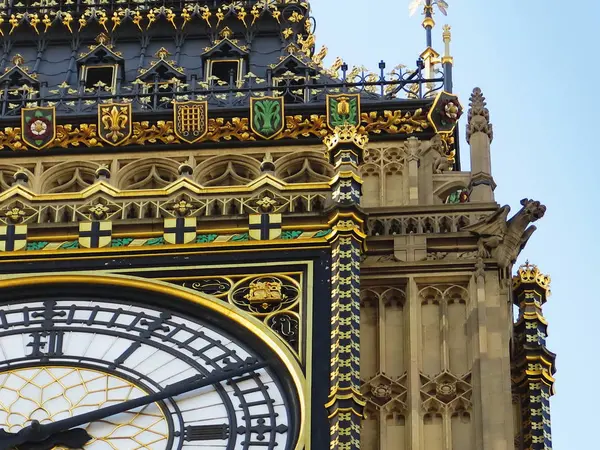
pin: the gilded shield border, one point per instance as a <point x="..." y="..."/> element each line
<point x="124" y="131"/>
<point x="436" y="111"/>
<point x="281" y="101"/>
<point x="328" y="111"/>
<point x="31" y="142"/>
<point x="177" y="122"/>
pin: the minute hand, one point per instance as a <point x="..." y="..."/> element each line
<point x="42" y="432"/>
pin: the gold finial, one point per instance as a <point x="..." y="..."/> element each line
<point x="102" y="38"/>
<point x="18" y="60"/>
<point x="447" y="36"/>
<point x="428" y="22"/>
<point x="530" y="274"/>
<point x="162" y="53"/>
<point x="226" y="33"/>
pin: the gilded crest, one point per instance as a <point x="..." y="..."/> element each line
<point x="191" y="120"/>
<point x="114" y="122"/>
<point x="96" y="234"/>
<point x="264" y="292"/>
<point x="13" y="237"/>
<point x="38" y="126"/>
<point x="445" y="112"/>
<point x="343" y="109"/>
<point x="267" y="116"/>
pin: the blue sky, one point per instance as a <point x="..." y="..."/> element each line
<point x="534" y="62"/>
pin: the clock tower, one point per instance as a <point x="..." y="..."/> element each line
<point x="211" y="240"/>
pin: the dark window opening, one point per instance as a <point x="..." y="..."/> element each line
<point x="19" y="89"/>
<point x="223" y="69"/>
<point x="95" y="75"/>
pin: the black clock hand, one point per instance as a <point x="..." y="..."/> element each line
<point x="37" y="432"/>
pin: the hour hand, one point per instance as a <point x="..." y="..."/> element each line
<point x="74" y="438"/>
<point x="34" y="437"/>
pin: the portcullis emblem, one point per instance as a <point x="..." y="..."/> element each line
<point x="191" y="120"/>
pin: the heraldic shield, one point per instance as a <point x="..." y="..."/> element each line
<point x="114" y="122"/>
<point x="191" y="120"/>
<point x="267" y="116"/>
<point x="38" y="126"/>
<point x="343" y="109"/>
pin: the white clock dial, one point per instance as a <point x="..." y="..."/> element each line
<point x="61" y="358"/>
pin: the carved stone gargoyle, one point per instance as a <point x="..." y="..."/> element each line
<point x="504" y="239"/>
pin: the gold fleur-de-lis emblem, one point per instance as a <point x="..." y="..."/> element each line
<point x="114" y="122"/>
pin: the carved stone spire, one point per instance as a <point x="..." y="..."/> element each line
<point x="479" y="116"/>
<point x="479" y="137"/>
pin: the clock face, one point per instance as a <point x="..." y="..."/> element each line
<point x="65" y="357"/>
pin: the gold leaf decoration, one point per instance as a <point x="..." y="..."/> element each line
<point x="221" y="129"/>
<point x="394" y="122"/>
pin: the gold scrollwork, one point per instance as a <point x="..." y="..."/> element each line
<point x="287" y="325"/>
<point x="217" y="286"/>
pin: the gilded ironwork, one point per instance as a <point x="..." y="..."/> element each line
<point x="115" y="123"/>
<point x="191" y="120"/>
<point x="38" y="126"/>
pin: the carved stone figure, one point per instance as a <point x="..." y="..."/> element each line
<point x="502" y="239"/>
<point x="440" y="159"/>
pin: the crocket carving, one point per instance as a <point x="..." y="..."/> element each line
<point x="504" y="239"/>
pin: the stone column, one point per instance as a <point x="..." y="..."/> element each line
<point x="491" y="368"/>
<point x="479" y="136"/>
<point x="532" y="362"/>
<point x="413" y="147"/>
<point x="345" y="404"/>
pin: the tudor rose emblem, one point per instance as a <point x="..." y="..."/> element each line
<point x="38" y="126"/>
<point x="114" y="122"/>
<point x="267" y="116"/>
<point x="343" y="109"/>
<point x="191" y="120"/>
